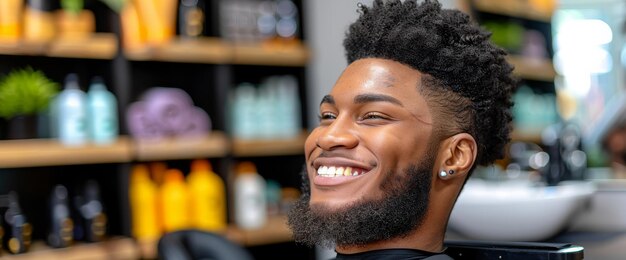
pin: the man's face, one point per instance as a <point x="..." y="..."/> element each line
<point x="374" y="126"/>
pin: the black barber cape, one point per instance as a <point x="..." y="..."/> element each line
<point x="394" y="254"/>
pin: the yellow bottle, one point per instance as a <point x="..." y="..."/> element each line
<point x="11" y="19"/>
<point x="173" y="200"/>
<point x="158" y="18"/>
<point x="207" y="197"/>
<point x="142" y="193"/>
<point x="133" y="30"/>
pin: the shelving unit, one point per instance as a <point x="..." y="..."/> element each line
<point x="275" y="231"/>
<point x="206" y="67"/>
<point x="538" y="73"/>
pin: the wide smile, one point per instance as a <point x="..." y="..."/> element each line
<point x="338" y="170"/>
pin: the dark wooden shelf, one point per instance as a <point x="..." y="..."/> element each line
<point x="269" y="147"/>
<point x="116" y="248"/>
<point x="50" y="152"/>
<point x="533" y="68"/>
<point x="216" y="51"/>
<point x="96" y="46"/>
<point x="214" y="144"/>
<point x="514" y="8"/>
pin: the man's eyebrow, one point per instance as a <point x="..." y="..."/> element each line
<point x="366" y="98"/>
<point x="328" y="99"/>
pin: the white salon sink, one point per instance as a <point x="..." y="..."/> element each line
<point x="517" y="210"/>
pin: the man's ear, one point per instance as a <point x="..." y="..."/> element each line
<point x="458" y="154"/>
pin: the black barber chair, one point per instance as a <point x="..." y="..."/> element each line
<point x="199" y="245"/>
<point x="460" y="250"/>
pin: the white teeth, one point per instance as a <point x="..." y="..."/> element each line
<point x="333" y="171"/>
<point x="339" y="171"/>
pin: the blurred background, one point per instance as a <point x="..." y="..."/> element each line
<point x="125" y="120"/>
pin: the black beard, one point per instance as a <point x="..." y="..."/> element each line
<point x="400" y="211"/>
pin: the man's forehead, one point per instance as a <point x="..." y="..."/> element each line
<point x="380" y="76"/>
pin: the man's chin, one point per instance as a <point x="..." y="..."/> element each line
<point x="327" y="221"/>
<point x="329" y="206"/>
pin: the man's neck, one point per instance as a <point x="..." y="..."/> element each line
<point x="420" y="240"/>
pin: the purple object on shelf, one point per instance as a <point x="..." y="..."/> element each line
<point x="164" y="112"/>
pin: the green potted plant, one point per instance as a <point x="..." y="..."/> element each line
<point x="24" y="95"/>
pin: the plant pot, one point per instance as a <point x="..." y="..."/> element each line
<point x="81" y="25"/>
<point x="3" y="128"/>
<point x="22" y="127"/>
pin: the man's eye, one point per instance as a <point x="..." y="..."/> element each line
<point x="327" y="116"/>
<point x="373" y="116"/>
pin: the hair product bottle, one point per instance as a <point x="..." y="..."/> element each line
<point x="103" y="120"/>
<point x="20" y="231"/>
<point x="11" y="20"/>
<point x="143" y="200"/>
<point x="173" y="201"/>
<point x="61" y="225"/>
<point x="91" y="213"/>
<point x="39" y="21"/>
<point x="191" y="18"/>
<point x="72" y="113"/>
<point x="207" y="197"/>
<point x="250" y="200"/>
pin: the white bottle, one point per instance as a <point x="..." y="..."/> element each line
<point x="72" y="113"/>
<point x="250" y="199"/>
<point x="103" y="125"/>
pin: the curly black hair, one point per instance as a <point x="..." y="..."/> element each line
<point x="466" y="78"/>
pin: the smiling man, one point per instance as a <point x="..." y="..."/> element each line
<point x="425" y="98"/>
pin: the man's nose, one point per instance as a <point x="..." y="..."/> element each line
<point x="339" y="134"/>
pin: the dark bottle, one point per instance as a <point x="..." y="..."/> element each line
<point x="61" y="225"/>
<point x="19" y="231"/>
<point x="92" y="221"/>
<point x="191" y="18"/>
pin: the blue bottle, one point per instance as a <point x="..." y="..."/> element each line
<point x="71" y="106"/>
<point x="102" y="109"/>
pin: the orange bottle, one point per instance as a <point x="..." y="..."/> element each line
<point x="207" y="197"/>
<point x="11" y="19"/>
<point x="173" y="201"/>
<point x="142" y="193"/>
